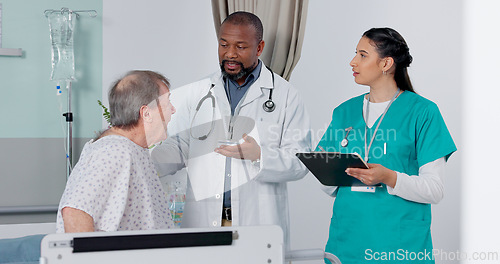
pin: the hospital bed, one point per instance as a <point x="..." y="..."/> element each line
<point x="21" y="230"/>
<point x="260" y="244"/>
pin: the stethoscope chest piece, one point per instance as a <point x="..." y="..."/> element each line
<point x="269" y="105"/>
<point x="344" y="143"/>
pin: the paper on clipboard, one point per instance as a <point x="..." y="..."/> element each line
<point x="329" y="167"/>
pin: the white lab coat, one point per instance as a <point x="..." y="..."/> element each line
<point x="259" y="191"/>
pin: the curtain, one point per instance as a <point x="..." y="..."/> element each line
<point x="284" y="24"/>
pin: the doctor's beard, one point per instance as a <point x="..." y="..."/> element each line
<point x="243" y="72"/>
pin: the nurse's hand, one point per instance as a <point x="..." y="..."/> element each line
<point x="375" y="174"/>
<point x="249" y="150"/>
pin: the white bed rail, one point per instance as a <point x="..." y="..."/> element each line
<point x="310" y="254"/>
<point x="20" y="230"/>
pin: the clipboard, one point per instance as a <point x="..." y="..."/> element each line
<point x="329" y="167"/>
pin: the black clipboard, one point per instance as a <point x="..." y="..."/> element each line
<point x="329" y="167"/>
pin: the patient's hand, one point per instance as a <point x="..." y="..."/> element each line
<point x="76" y="220"/>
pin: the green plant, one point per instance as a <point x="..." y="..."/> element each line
<point x="105" y="114"/>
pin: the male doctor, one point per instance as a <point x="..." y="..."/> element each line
<point x="237" y="133"/>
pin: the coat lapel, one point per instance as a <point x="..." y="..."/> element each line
<point x="256" y="90"/>
<point x="221" y="100"/>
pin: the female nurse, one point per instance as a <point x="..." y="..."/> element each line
<point x="406" y="143"/>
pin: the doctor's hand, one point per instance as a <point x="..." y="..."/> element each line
<point x="248" y="150"/>
<point x="375" y="174"/>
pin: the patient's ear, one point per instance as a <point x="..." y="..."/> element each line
<point x="145" y="113"/>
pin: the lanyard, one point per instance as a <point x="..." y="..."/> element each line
<point x="367" y="149"/>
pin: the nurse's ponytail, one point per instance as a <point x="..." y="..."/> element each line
<point x="389" y="43"/>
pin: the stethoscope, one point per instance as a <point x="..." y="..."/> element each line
<point x="268" y="106"/>
<point x="209" y="95"/>
<point x="345" y="142"/>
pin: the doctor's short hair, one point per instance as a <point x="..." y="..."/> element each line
<point x="246" y="18"/>
<point x="129" y="93"/>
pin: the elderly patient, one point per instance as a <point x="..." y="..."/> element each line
<point x="114" y="186"/>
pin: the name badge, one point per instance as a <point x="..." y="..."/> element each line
<point x="368" y="189"/>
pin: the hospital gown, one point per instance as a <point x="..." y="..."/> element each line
<point x="116" y="183"/>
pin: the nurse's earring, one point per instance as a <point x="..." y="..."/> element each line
<point x="388" y="62"/>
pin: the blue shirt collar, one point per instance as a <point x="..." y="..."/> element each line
<point x="254" y="75"/>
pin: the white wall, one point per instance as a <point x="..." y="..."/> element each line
<point x="481" y="229"/>
<point x="177" y="39"/>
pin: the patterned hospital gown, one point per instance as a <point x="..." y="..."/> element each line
<point x="115" y="182"/>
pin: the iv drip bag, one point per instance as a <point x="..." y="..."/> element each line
<point x="61" y="26"/>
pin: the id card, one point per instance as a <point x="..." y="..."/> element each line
<point x="368" y="189"/>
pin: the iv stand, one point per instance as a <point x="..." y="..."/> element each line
<point x="69" y="138"/>
<point x="69" y="115"/>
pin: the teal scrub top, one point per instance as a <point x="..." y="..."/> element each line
<point x="379" y="227"/>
